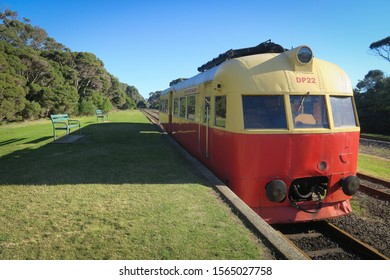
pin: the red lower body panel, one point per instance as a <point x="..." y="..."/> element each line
<point x="247" y="162"/>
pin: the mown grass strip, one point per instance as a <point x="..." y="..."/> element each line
<point x="121" y="192"/>
<point x="374" y="166"/>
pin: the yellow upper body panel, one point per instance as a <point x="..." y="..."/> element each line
<point x="265" y="74"/>
<point x="277" y="73"/>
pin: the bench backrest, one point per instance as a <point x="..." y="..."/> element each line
<point x="99" y="112"/>
<point x="59" y="117"/>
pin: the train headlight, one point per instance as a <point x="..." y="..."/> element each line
<point x="276" y="190"/>
<point x="304" y="55"/>
<point x="322" y="165"/>
<point x="350" y="185"/>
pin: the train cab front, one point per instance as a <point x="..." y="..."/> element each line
<point x="319" y="161"/>
<point x="310" y="198"/>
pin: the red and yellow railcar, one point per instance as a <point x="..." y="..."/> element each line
<point x="278" y="126"/>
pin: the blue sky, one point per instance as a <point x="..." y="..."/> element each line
<point x="150" y="43"/>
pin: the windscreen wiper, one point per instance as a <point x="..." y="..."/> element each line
<point x="303" y="100"/>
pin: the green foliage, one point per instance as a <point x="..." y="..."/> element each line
<point x="154" y="99"/>
<point x="39" y="76"/>
<point x="372" y="97"/>
<point x="382" y="48"/>
<point x="86" y="108"/>
<point x="106" y="105"/>
<point x="179" y="80"/>
<point x="32" y="111"/>
<point x="132" y="94"/>
<point x="12" y="97"/>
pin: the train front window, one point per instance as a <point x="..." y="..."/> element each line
<point x="343" y="112"/>
<point x="309" y="111"/>
<point x="264" y="112"/>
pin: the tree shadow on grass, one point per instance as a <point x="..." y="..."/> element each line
<point x="11" y="141"/>
<point x="109" y="153"/>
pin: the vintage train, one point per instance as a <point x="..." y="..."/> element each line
<point x="279" y="127"/>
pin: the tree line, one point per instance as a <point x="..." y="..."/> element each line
<point x="372" y="94"/>
<point x="40" y="76"/>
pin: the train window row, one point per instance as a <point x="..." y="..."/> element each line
<point x="269" y="112"/>
<point x="184" y="107"/>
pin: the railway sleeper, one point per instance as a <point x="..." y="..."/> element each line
<point x="323" y="252"/>
<point x="298" y="236"/>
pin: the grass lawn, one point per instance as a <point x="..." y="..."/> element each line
<point x="375" y="166"/>
<point x="120" y="192"/>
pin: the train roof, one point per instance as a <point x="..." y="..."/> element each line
<point x="267" y="72"/>
<point x="201" y="78"/>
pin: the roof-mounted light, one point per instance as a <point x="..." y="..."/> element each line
<point x="304" y="55"/>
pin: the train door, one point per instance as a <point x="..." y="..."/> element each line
<point x="205" y="127"/>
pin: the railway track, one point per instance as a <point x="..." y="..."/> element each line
<point x="151" y="114"/>
<point x="375" y="138"/>
<point x="324" y="241"/>
<point x="374" y="187"/>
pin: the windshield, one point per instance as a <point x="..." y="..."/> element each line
<point x="264" y="112"/>
<point x="343" y="112"/>
<point x="309" y="111"/>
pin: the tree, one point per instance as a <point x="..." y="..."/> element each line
<point x="86" y="108"/>
<point x="154" y="99"/>
<point x="106" y="105"/>
<point x="382" y="48"/>
<point x="132" y="93"/>
<point x="370" y="80"/>
<point x="12" y="97"/>
<point x="372" y="96"/>
<point x="39" y="76"/>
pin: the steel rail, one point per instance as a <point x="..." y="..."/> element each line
<point x="377" y="193"/>
<point x="346" y="242"/>
<point x="378" y="138"/>
<point x="373" y="179"/>
<point x="351" y="242"/>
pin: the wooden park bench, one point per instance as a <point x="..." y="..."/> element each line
<point x="101" y="115"/>
<point x="62" y="122"/>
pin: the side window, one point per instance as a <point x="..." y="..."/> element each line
<point x="162" y="105"/>
<point x="191" y="107"/>
<point x="183" y="107"/>
<point x="264" y="112"/>
<point x="343" y="112"/>
<point x="220" y="111"/>
<point x="176" y="107"/>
